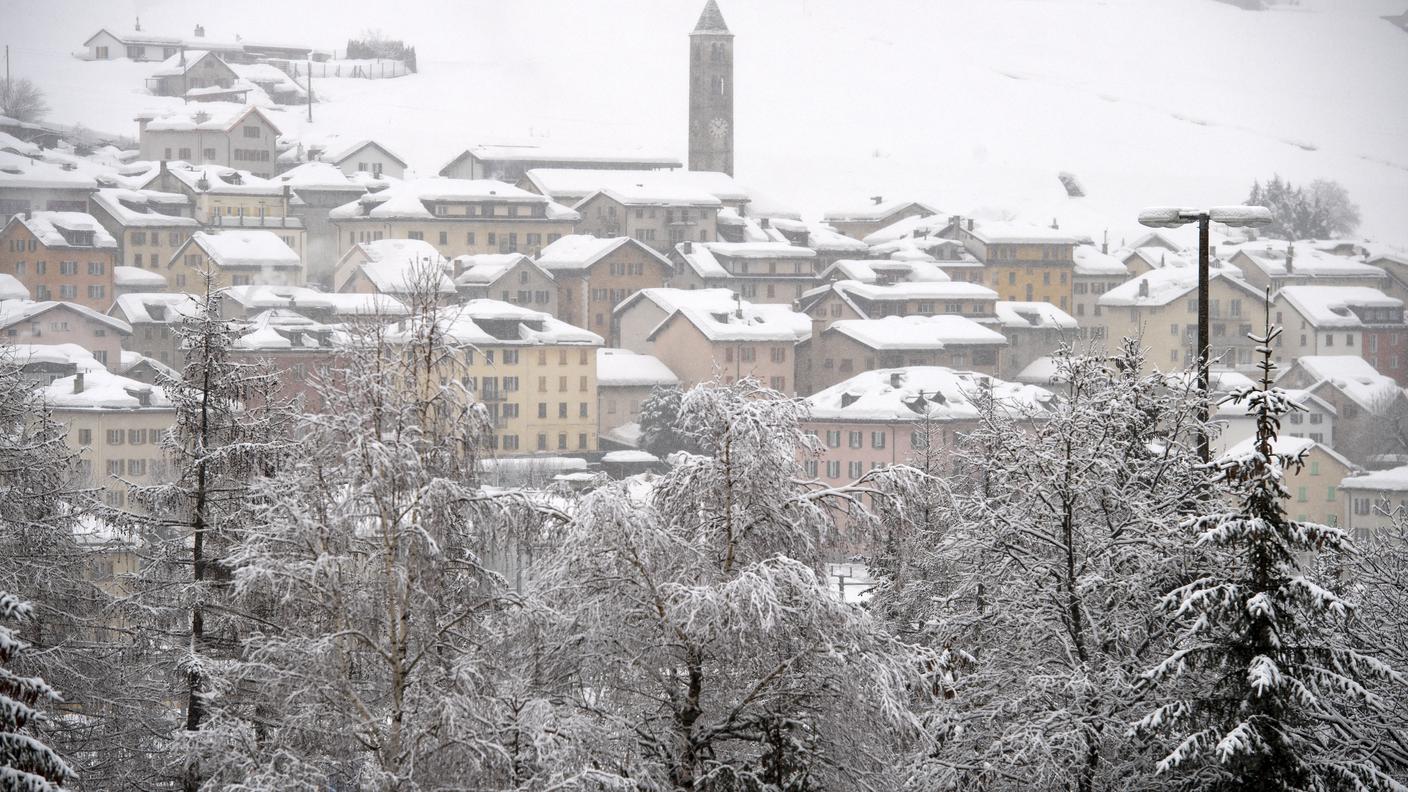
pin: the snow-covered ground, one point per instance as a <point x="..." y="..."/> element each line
<point x="973" y="105"/>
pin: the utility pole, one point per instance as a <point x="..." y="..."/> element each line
<point x="310" y="87"/>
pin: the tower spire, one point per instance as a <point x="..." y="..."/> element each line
<point x="711" y="20"/>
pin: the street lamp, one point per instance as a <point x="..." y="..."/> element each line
<point x="1174" y="217"/>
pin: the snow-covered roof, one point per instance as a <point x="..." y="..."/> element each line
<point x="917" y="332"/>
<point x="219" y="179"/>
<point x="1018" y="233"/>
<point x="1351" y="374"/>
<point x="184" y="61"/>
<point x="215" y="116"/>
<point x="1329" y="306"/>
<point x="407" y="199"/>
<point x="1157" y="257"/>
<point x="155" y="307"/>
<point x="492" y="322"/>
<point x="281" y="329"/>
<point x="576" y="252"/>
<point x="144" y="208"/>
<point x="622" y="368"/>
<point x="760" y="321"/>
<point x="824" y="238"/>
<point x="1163" y="286"/>
<point x="19" y="172"/>
<point x="1280" y="260"/>
<point x="103" y="390"/>
<point x="56" y="229"/>
<point x="562" y="154"/>
<point x="629" y="456"/>
<point x="485" y="268"/>
<point x="58" y="354"/>
<point x="642" y="195"/>
<point x="395" y="266"/>
<point x="319" y="176"/>
<point x="1090" y="261"/>
<point x="11" y="288"/>
<point x="14" y="145"/>
<point x="909" y="393"/>
<point x="757" y="250"/>
<point x="1018" y="314"/>
<point x="915" y="290"/>
<point x="872" y="210"/>
<point x="131" y="360"/>
<point x="246" y="248"/>
<point x="125" y="277"/>
<point x="16" y="311"/>
<point x="1226" y="408"/>
<point x="1391" y="480"/>
<point x="574" y="184"/>
<point x="1283" y="446"/>
<point x="341" y="153"/>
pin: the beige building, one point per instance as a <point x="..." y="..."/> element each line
<point x="594" y="274"/>
<point x="222" y="195"/>
<point x="50" y="322"/>
<point x="395" y="267"/>
<point x="1278" y="264"/>
<point x="1024" y="262"/>
<point x="511" y="162"/>
<point x="508" y="277"/>
<point x="571" y="186"/>
<point x="769" y="272"/>
<point x="863" y="220"/>
<point x="851" y="346"/>
<point x="1333" y="320"/>
<point x="237" y="258"/>
<point x="536" y="375"/>
<point x="149" y="226"/>
<point x="1160" y="308"/>
<point x="153" y="317"/>
<point x="458" y="217"/>
<point x="219" y="133"/>
<point x="658" y="219"/>
<point x="1371" y="500"/>
<point x="1033" y="330"/>
<point x="856" y="300"/>
<point x="625" y="379"/>
<point x="1096" y="272"/>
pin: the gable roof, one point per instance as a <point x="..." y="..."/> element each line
<point x="917" y="332"/>
<point x="217" y="116"/>
<point x="245" y="248"/>
<point x="392" y="265"/>
<point x="13" y="312"/>
<point x="1329" y="306"/>
<point x="1163" y="286"/>
<point x="576" y="252"/>
<point x="1352" y="375"/>
<point x="49" y="228"/>
<point x="346" y="152"/>
<point x="913" y="392"/>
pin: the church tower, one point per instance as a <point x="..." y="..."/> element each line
<point x="711" y="93"/>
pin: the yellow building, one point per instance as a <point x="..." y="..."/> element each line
<point x="149" y="225"/>
<point x="1160" y="308"/>
<point x="458" y="216"/>
<point x="237" y="258"/>
<point x="536" y="375"/>
<point x="1024" y="262"/>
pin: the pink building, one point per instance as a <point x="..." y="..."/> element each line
<point x="52" y="322"/>
<point x="888" y="416"/>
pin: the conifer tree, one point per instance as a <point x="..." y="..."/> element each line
<point x="26" y="764"/>
<point x="1264" y="690"/>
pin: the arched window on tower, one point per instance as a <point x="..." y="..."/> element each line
<point x="722" y="91"/>
<point x="717" y="54"/>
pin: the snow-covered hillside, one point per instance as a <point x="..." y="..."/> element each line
<point x="974" y="105"/>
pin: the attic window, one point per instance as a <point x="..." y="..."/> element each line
<point x="201" y="117"/>
<point x="848" y="398"/>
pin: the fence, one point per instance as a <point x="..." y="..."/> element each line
<point x="376" y="69"/>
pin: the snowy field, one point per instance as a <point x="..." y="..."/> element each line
<point x="975" y="106"/>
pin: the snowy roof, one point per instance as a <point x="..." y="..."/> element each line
<point x="103" y="390"/>
<point x="916" y="290"/>
<point x="184" y="61"/>
<point x="261" y="297"/>
<point x="131" y="360"/>
<point x="491" y="322"/>
<point x="341" y="153"/>
<point x="143" y="208"/>
<point x="216" y="116"/>
<point x="629" y="455"/>
<point x="1283" y="446"/>
<point x="219" y="179"/>
<point x="1163" y="286"/>
<point x="1230" y="409"/>
<point x="1090" y="261"/>
<point x="715" y="313"/>
<point x="155" y="307"/>
<point x="1016" y="233"/>
<point x="246" y="248"/>
<point x="1392" y="480"/>
<point x="1329" y="306"/>
<point x="757" y="250"/>
<point x="576" y="252"/>
<point x="872" y="210"/>
<point x="823" y="237"/>
<point x="16" y="311"/>
<point x="1013" y="314"/>
<point x="1042" y="371"/>
<point x="562" y="154"/>
<point x="574" y="184"/>
<point x="917" y="332"/>
<point x="1272" y="259"/>
<point x="319" y="176"/>
<point x="283" y="329"/>
<point x="485" y="268"/>
<point x="641" y="195"/>
<point x="911" y="227"/>
<point x="909" y="393"/>
<point x="138" y="278"/>
<point x="14" y="145"/>
<point x="61" y="354"/>
<point x="56" y="229"/>
<point x="1159" y="257"/>
<point x="394" y="265"/>
<point x="11" y="288"/>
<point x="408" y="199"/>
<point x="19" y="172"/>
<point x="1351" y="374"/>
<point x="622" y="368"/>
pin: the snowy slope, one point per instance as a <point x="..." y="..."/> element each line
<point x="972" y="106"/>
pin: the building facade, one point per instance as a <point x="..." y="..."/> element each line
<point x="65" y="256"/>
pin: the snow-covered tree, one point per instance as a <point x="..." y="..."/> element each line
<point x="26" y="764"/>
<point x="1378" y="576"/>
<point x="701" y="637"/>
<point x="1264" y="689"/>
<point x="1041" y="573"/>
<point x="660" y="433"/>
<point x="228" y="433"/>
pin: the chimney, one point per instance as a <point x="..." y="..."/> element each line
<point x="28" y="214"/>
<point x="78" y="382"/>
<point x="200" y="31"/>
<point x="1105" y="244"/>
<point x="738" y="302"/>
<point x="1055" y="226"/>
<point x="144" y="397"/>
<point x="970" y="224"/>
<point x="1290" y="256"/>
<point x="687" y="246"/>
<point x="1144" y="287"/>
<point x="763" y="223"/>
<point x="138" y="28"/>
<point x="896" y="379"/>
<point x="877" y="199"/>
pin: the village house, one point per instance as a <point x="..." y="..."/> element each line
<point x="1277" y="264"/>
<point x="853" y="345"/>
<point x="248" y="302"/>
<point x="861" y="221"/>
<point x="318" y="188"/>
<point x="149" y="226"/>
<point x="1372" y="502"/>
<point x="1024" y="262"/>
<point x="624" y="380"/>
<point x="593" y="275"/>
<point x="535" y="374"/>
<point x="712" y="334"/>
<point x="396" y="267"/>
<point x="1314" y="487"/>
<point x="1160" y="308"/>
<point x="510" y="277"/>
<point x="226" y="197"/>
<point x="1314" y="420"/>
<point x="154" y="317"/>
<point x="1364" y="399"/>
<point x="60" y="256"/>
<point x="770" y="272"/>
<point x="28" y="184"/>
<point x="235" y="258"/>
<point x="1330" y="320"/>
<point x="1095" y="273"/>
<point x="1154" y="257"/>
<point x="53" y="322"/>
<point x="459" y="217"/>
<point x="511" y="162"/>
<point x="199" y="76"/>
<point x="1033" y="330"/>
<point x="298" y="350"/>
<point x="855" y="300"/>
<point x="656" y="218"/>
<point x="914" y="415"/>
<point x="364" y="156"/>
<point x="216" y="133"/>
<point x="570" y="186"/>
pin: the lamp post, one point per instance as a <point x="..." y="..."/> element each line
<point x="1174" y="217"/>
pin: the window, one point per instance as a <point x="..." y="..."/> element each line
<point x="415" y="235"/>
<point x="778" y="383"/>
<point x="542" y="409"/>
<point x="562" y="441"/>
<point x="562" y="409"/>
<point x="444" y="237"/>
<point x="1330" y="493"/>
<point x="85" y="437"/>
<point x="1300" y="494"/>
<point x="855" y="469"/>
<point x="582" y="410"/>
<point x="185" y="153"/>
<point x="779" y="354"/>
<point x="136" y="436"/>
<point x="582" y="441"/>
<point x="833" y="438"/>
<point x="252" y="131"/>
<point x="877" y="440"/>
<point x="542" y="442"/>
<point x="510" y="384"/>
<point x="833" y="469"/>
<point x="855" y="439"/>
<point x="811" y="466"/>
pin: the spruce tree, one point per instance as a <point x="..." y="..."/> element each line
<point x="1264" y="690"/>
<point x="26" y="764"/>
